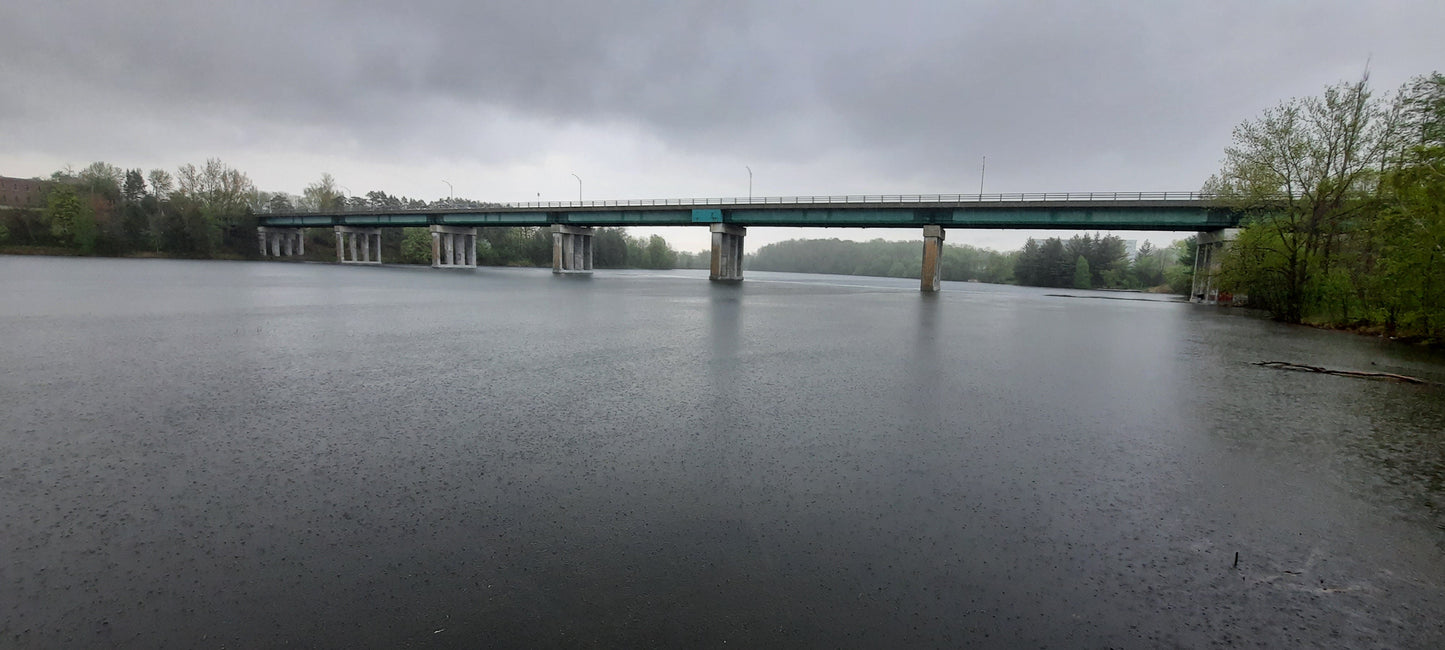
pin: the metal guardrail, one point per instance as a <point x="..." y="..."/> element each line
<point x="879" y="198"/>
<point x="876" y="199"/>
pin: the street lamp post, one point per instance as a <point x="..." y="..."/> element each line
<point x="750" y="182"/>
<point x="450" y="190"/>
<point x="579" y="187"/>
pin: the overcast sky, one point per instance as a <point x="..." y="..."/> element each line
<point x="507" y="100"/>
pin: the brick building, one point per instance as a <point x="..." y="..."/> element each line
<point x="20" y="192"/>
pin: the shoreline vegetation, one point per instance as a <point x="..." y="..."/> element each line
<point x="1358" y="240"/>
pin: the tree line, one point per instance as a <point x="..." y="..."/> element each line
<point x="1102" y="262"/>
<point x="896" y="259"/>
<point x="1345" y="195"/>
<point x="1088" y="261"/>
<point x="209" y="211"/>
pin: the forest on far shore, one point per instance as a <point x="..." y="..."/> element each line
<point x="209" y="211"/>
<point x="1087" y="261"/>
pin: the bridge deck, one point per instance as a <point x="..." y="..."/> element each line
<point x="1180" y="211"/>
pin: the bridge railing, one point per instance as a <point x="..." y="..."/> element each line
<point x="877" y="198"/>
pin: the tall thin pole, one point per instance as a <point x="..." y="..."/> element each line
<point x="983" y="168"/>
<point x="579" y="187"/>
<point x="750" y="181"/>
<point x="450" y="190"/>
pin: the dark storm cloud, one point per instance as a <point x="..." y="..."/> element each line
<point x="921" y="85"/>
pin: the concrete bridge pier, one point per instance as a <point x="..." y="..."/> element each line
<point x="364" y="244"/>
<point x="281" y="242"/>
<point x="1208" y="256"/>
<point x="571" y="249"/>
<point x="932" y="274"/>
<point x="727" y="252"/>
<point x="453" y="247"/>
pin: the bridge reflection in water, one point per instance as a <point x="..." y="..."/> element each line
<point x="454" y="234"/>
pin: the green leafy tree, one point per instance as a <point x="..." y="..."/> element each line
<point x="102" y="179"/>
<point x="1302" y="172"/>
<point x="213" y="203"/>
<point x="161" y="182"/>
<point x="280" y="202"/>
<point x="609" y="248"/>
<point x="134" y="188"/>
<point x="71" y="220"/>
<point x="322" y="196"/>
<point x="1083" y="278"/>
<point x="659" y="254"/>
<point x="1407" y="282"/>
<point x="416" y="246"/>
<point x="1147" y="268"/>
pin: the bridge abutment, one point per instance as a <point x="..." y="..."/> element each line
<point x="727" y="252"/>
<point x="1208" y="256"/>
<point x="363" y="244"/>
<point x="453" y="247"/>
<point x="571" y="249"/>
<point x="931" y="276"/>
<point x="281" y="242"/>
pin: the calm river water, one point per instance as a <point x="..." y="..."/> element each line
<point x="235" y="454"/>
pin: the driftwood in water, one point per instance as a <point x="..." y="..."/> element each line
<point x="1285" y="365"/>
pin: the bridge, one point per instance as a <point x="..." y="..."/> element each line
<point x="454" y="233"/>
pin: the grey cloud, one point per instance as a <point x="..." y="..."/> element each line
<point x="923" y="88"/>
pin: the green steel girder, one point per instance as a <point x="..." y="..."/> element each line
<point x="1097" y="215"/>
<point x="493" y="219"/>
<point x="628" y="217"/>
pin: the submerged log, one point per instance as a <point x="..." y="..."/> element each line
<point x="1300" y="367"/>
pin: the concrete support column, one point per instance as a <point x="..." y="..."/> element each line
<point x="280" y="242"/>
<point x="453" y="247"/>
<point x="364" y="245"/>
<point x="931" y="275"/>
<point x="571" y="249"/>
<point x="1208" y="257"/>
<point x="727" y="252"/>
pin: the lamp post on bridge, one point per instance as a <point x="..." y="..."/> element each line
<point x="750" y="182"/>
<point x="450" y="191"/>
<point x="579" y="187"/>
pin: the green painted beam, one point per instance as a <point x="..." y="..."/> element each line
<point x="383" y="220"/>
<point x="1178" y="215"/>
<point x="628" y="217"/>
<point x="493" y="219"/>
